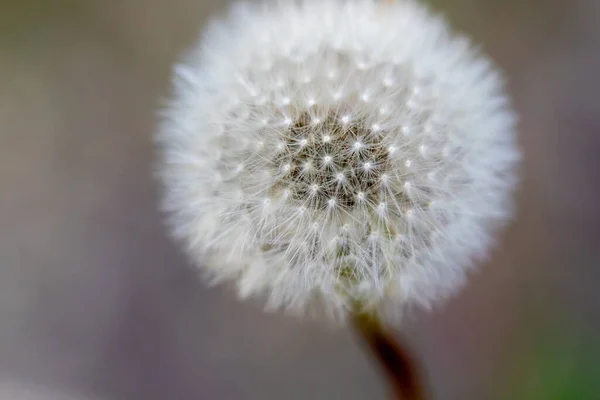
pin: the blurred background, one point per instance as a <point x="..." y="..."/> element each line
<point x="97" y="303"/>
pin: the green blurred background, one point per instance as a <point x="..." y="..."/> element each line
<point x="96" y="302"/>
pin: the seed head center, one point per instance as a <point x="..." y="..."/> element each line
<point x="337" y="163"/>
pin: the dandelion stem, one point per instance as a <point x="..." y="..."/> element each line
<point x="394" y="359"/>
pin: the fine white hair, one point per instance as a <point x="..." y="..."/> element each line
<point x="334" y="154"/>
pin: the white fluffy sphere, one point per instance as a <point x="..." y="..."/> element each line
<point x="333" y="154"/>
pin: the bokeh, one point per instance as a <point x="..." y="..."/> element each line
<point x="97" y="303"/>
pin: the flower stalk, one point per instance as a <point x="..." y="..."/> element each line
<point x="397" y="363"/>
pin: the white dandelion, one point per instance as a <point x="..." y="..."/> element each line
<point x="331" y="153"/>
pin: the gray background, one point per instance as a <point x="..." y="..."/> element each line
<point x="96" y="301"/>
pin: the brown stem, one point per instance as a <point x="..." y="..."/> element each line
<point x="395" y="361"/>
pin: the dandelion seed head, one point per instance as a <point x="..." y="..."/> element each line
<point x="302" y="160"/>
